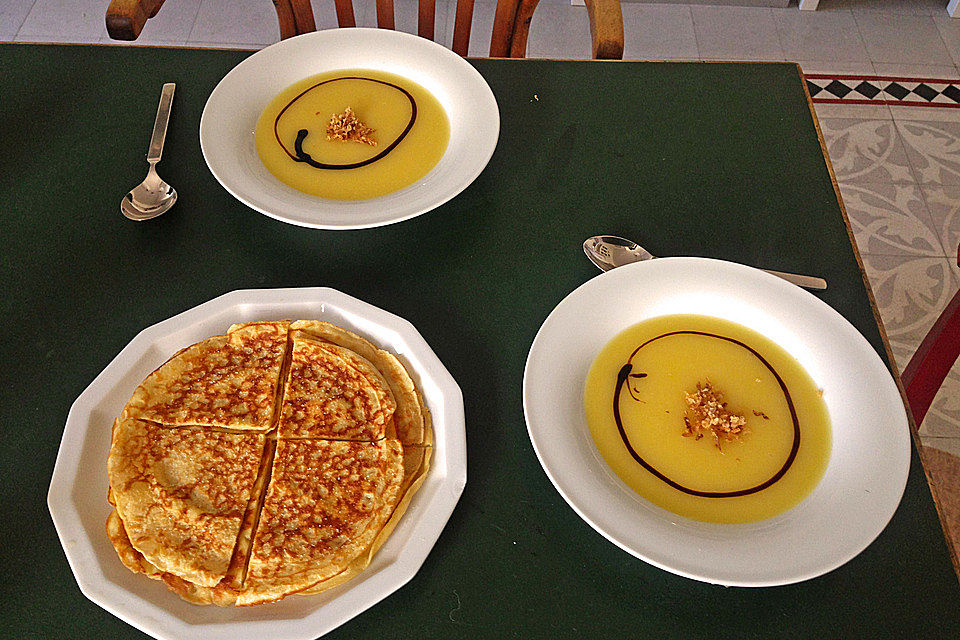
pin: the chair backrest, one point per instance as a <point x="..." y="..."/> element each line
<point x="928" y="368"/>
<point x="511" y="23"/>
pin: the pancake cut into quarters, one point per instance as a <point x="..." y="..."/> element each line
<point x="273" y="460"/>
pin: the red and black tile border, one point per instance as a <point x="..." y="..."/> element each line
<point x="892" y="90"/>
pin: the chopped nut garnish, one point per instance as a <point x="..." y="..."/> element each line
<point x="345" y="126"/>
<point x="709" y="414"/>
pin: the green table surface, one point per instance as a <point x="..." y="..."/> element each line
<point x="719" y="160"/>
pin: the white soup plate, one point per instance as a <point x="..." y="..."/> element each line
<point x="869" y="460"/>
<point x="233" y="108"/>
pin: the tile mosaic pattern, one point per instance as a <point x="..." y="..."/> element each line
<point x="933" y="149"/>
<point x="866" y="151"/>
<point x="924" y="92"/>
<point x="943" y="204"/>
<point x="865" y="89"/>
<point x="911" y="291"/>
<point x="891" y="220"/>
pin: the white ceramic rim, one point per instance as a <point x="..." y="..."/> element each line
<point x="870" y="457"/>
<point x="232" y="110"/>
<point x="77" y="494"/>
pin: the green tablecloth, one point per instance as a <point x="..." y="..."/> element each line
<point x="718" y="160"/>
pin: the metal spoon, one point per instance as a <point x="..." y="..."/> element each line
<point x="608" y="252"/>
<point x="153" y="196"/>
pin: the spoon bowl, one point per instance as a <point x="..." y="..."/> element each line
<point x="608" y="252"/>
<point x="149" y="199"/>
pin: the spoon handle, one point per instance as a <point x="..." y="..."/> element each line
<point x="809" y="282"/>
<point x="160" y="126"/>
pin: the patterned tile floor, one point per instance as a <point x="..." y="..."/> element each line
<point x="900" y="181"/>
<point x="898" y="166"/>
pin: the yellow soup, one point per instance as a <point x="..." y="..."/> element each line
<point x="640" y="402"/>
<point x="410" y="131"/>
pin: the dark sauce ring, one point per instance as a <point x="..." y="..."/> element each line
<point x="624" y="374"/>
<point x="299" y="155"/>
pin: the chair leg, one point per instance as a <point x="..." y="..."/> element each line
<point x="936" y="355"/>
<point x="463" y="20"/>
<point x="503" y="21"/>
<point x="426" y="17"/>
<point x="345" y="17"/>
<point x="125" y="18"/>
<point x="385" y="14"/>
<point x="521" y="28"/>
<point x="288" y="24"/>
<point x="606" y="29"/>
<point x="303" y="16"/>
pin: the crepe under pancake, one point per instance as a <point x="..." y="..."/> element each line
<point x="297" y="513"/>
<point x="130" y="557"/>
<point x="225" y="381"/>
<point x="410" y="416"/>
<point x="326" y="502"/>
<point x="221" y="594"/>
<point x="182" y="494"/>
<point x="332" y="392"/>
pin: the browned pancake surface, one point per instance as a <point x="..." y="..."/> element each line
<point x="182" y="494"/>
<point x="227" y="381"/>
<point x="332" y="392"/>
<point x="226" y="513"/>
<point x="325" y="505"/>
<point x="411" y="419"/>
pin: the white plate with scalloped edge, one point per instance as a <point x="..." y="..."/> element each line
<point x="78" y="490"/>
<point x="234" y="106"/>
<point x="869" y="460"/>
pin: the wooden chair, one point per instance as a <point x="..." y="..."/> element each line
<point x="929" y="366"/>
<point x="511" y="25"/>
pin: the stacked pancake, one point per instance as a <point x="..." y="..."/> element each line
<point x="273" y="460"/>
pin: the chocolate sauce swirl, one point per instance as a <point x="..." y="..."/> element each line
<point x="625" y="373"/>
<point x="299" y="155"/>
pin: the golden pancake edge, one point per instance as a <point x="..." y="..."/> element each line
<point x="273" y="460"/>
